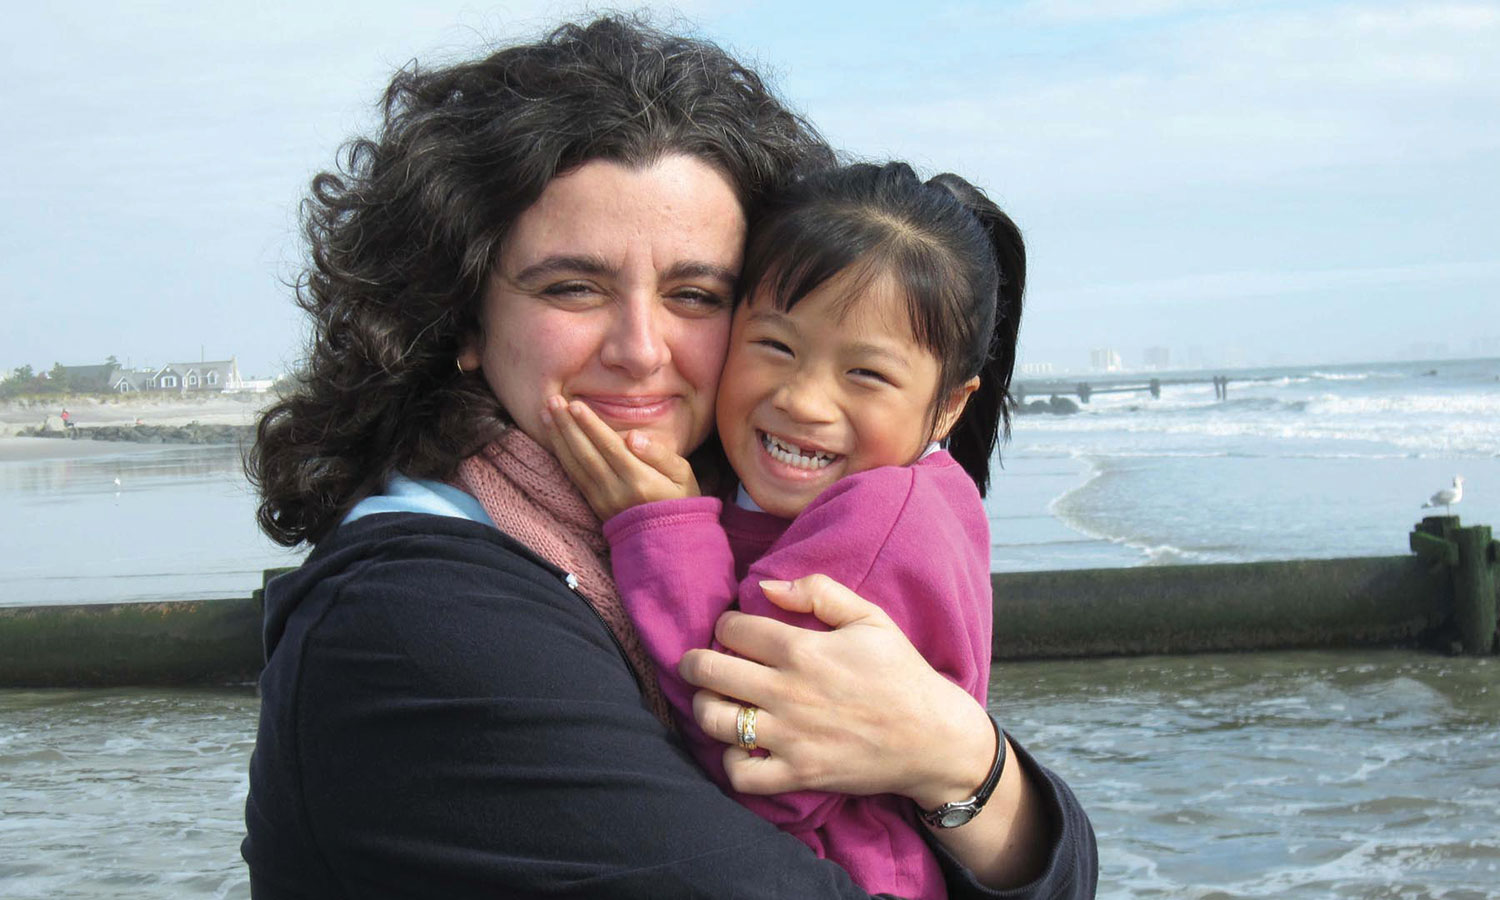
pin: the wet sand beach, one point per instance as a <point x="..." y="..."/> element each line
<point x="29" y="449"/>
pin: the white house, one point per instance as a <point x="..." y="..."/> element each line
<point x="178" y="378"/>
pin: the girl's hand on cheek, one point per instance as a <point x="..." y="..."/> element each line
<point x="613" y="472"/>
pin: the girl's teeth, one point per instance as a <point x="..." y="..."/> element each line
<point x="793" y="455"/>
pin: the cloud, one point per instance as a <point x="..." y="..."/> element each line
<point x="1243" y="96"/>
<point x="1074" y="12"/>
<point x="1211" y="287"/>
<point x="1270" y="148"/>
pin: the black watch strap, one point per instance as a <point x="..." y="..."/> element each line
<point x="952" y="815"/>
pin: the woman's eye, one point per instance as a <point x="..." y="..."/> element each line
<point x="566" y="290"/>
<point x="699" y="299"/>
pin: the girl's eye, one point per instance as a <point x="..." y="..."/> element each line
<point x="870" y="375"/>
<point x="773" y="345"/>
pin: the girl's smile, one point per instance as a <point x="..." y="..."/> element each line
<point x="795" y="455"/>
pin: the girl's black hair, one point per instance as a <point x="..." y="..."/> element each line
<point x="959" y="260"/>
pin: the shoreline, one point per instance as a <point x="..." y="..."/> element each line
<point x="34" y="449"/>
<point x="90" y="412"/>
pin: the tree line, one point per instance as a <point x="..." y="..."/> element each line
<point x="24" y="381"/>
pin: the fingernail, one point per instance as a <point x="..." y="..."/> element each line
<point x="547" y="417"/>
<point x="556" y="403"/>
<point x="773" y="585"/>
<point x="639" y="441"/>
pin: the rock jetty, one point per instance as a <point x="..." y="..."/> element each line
<point x="191" y="433"/>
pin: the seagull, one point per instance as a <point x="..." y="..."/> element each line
<point x="1447" y="496"/>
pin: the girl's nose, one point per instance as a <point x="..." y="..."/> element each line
<point x="636" y="343"/>
<point x="803" y="398"/>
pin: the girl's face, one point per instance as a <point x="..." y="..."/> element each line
<point x="614" y="288"/>
<point x="826" y="390"/>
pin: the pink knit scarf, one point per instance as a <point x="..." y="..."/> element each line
<point x="527" y="494"/>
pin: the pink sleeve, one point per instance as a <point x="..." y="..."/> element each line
<point x="675" y="574"/>
<point x="913" y="540"/>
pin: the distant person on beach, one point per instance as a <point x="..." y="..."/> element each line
<point x="455" y="702"/>
<point x="878" y="320"/>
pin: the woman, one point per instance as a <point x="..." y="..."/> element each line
<point x="452" y="708"/>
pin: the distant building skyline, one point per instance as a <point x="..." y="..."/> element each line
<point x="1229" y="357"/>
<point x="1083" y="361"/>
<point x="1105" y="359"/>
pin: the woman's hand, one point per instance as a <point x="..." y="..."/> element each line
<point x="857" y="710"/>
<point x="613" y="472"/>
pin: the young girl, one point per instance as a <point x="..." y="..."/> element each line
<point x="878" y="323"/>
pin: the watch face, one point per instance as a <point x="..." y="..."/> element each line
<point x="956" y="817"/>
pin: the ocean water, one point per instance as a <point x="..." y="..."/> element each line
<point x="146" y="523"/>
<point x="1298" y="463"/>
<point x="1369" y="774"/>
<point x="124" y="793"/>
<point x="1345" y="774"/>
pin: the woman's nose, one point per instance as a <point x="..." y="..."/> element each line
<point x="636" y="343"/>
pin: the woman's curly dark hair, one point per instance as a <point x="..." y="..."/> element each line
<point x="404" y="236"/>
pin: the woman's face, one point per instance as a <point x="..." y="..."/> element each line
<point x="615" y="288"/>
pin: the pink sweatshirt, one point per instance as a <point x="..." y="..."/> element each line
<point x="913" y="539"/>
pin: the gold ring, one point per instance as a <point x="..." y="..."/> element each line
<point x="744" y="727"/>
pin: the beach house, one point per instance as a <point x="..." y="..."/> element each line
<point x="214" y="376"/>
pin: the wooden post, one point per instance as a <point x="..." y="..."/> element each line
<point x="1469" y="557"/>
<point x="1474" y="589"/>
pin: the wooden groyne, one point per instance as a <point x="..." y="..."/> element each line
<point x="1441" y="595"/>
<point x="1391" y="601"/>
<point x="114" y="644"/>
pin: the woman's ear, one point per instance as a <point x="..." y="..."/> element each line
<point x="952" y="407"/>
<point x="469" y="358"/>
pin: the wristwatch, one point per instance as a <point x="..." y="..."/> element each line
<point x="952" y="815"/>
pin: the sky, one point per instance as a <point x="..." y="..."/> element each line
<point x="1240" y="183"/>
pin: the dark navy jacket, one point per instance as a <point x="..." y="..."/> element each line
<point x="441" y="716"/>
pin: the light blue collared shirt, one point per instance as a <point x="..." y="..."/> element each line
<point x="420" y="495"/>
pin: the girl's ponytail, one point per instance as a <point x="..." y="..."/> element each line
<point x="986" y="417"/>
